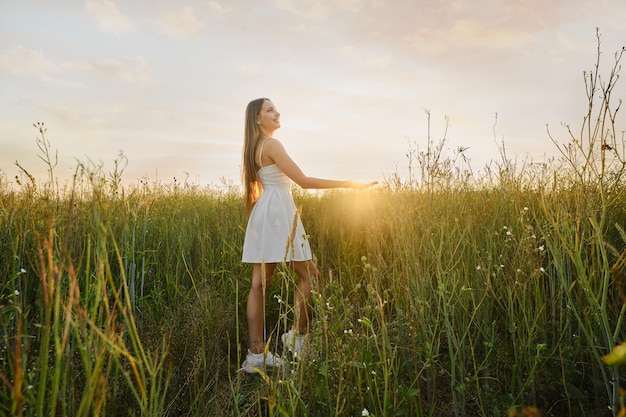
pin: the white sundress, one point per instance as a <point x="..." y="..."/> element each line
<point x="270" y="235"/>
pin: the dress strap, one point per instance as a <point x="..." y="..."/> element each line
<point x="261" y="154"/>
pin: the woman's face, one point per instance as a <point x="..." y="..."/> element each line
<point x="269" y="118"/>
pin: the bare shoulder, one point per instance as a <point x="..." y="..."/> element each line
<point x="273" y="145"/>
<point x="272" y="151"/>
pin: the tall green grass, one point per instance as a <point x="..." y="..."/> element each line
<point x="449" y="293"/>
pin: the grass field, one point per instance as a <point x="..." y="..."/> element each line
<point x="447" y="294"/>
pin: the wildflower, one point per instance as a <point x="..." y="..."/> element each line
<point x="22" y="271"/>
<point x="367" y="266"/>
<point x="16" y="292"/>
<point x="363" y="258"/>
<point x="365" y="412"/>
<point x="501" y="265"/>
<point x="525" y="208"/>
<point x="542" y="248"/>
<point x="373" y="372"/>
<point x="542" y="269"/>
<point x="348" y="331"/>
<point x="478" y="267"/>
<point x="508" y="233"/>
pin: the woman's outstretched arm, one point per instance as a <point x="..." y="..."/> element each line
<point x="277" y="153"/>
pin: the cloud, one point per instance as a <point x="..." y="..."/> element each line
<point x="321" y="9"/>
<point x="220" y="9"/>
<point x="108" y="17"/>
<point x="131" y="70"/>
<point x="363" y="57"/>
<point x="18" y="60"/>
<point x="181" y="24"/>
<point x="250" y="70"/>
<point x="468" y="33"/>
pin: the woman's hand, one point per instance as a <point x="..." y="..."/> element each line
<point x="361" y="185"/>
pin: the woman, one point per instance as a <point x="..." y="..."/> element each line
<point x="274" y="233"/>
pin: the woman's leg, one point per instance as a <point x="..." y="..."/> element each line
<point x="261" y="280"/>
<point x="305" y="270"/>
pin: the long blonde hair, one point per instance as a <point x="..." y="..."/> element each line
<point x="251" y="184"/>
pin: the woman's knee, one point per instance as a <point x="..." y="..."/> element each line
<point x="306" y="270"/>
<point x="262" y="276"/>
<point x="258" y="288"/>
<point x="312" y="268"/>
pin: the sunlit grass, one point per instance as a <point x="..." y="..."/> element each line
<point x="458" y="301"/>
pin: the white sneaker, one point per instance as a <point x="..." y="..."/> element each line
<point x="256" y="362"/>
<point x="293" y="342"/>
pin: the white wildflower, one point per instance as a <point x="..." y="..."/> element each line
<point x="365" y="412"/>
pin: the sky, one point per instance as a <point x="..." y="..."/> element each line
<point x="358" y="83"/>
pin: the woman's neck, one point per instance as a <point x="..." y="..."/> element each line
<point x="266" y="134"/>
